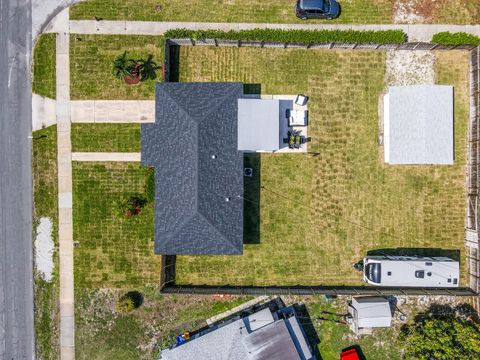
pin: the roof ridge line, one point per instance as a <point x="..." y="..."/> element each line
<point x="218" y="231"/>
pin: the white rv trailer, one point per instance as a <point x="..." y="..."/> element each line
<point x="411" y="271"/>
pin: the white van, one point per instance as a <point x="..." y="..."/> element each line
<point x="411" y="271"/>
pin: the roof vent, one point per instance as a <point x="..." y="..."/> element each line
<point x="227" y="199"/>
<point x="214" y="157"/>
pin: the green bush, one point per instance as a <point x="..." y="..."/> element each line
<point x="294" y="36"/>
<point x="130" y="206"/>
<point x="125" y="304"/>
<point x="459" y="38"/>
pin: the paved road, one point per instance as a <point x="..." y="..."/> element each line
<point x="16" y="283"/>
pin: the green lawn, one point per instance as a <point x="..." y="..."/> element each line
<point x="321" y="212"/>
<point x="44" y="166"/>
<point x="114" y="251"/>
<point x="105" y="137"/>
<point x="101" y="334"/>
<point x="43" y="81"/>
<point x="272" y="11"/>
<point x="91" y="58"/>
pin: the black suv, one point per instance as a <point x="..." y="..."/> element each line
<point x="317" y="9"/>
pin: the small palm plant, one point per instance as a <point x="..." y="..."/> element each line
<point x="148" y="68"/>
<point x="122" y="66"/>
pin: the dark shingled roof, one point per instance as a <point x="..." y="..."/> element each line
<point x="194" y="123"/>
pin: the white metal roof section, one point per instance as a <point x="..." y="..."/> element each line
<point x="259" y="319"/>
<point x="258" y="125"/>
<point x="418" y="125"/>
<point x="372" y="311"/>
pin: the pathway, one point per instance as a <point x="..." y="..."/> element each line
<point x="65" y="222"/>
<point x="113" y="111"/>
<point x="105" y="156"/>
<point x="415" y="32"/>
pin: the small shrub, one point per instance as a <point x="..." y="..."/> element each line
<point x="294" y="36"/>
<point x="129" y="302"/>
<point x="130" y="206"/>
<point x="459" y="38"/>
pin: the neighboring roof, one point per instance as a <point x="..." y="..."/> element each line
<point x="418" y="125"/>
<point x="372" y="311"/>
<point x="198" y="169"/>
<point x="278" y="340"/>
<point x="258" y="125"/>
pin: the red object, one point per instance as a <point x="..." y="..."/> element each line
<point x="350" y="354"/>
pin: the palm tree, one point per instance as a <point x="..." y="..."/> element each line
<point x="148" y="68"/>
<point x="122" y="66"/>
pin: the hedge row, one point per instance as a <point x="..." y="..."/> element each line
<point x="295" y="36"/>
<point x="459" y="38"/>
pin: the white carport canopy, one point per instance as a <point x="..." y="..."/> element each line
<point x="258" y="125"/>
<point x="372" y="311"/>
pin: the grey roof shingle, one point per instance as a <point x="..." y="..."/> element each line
<point x="193" y="147"/>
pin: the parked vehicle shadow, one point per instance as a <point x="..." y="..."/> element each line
<point x="431" y="252"/>
<point x="251" y="198"/>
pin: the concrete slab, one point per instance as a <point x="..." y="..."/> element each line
<point x="104" y="156"/>
<point x="43" y="112"/>
<point x="112" y="111"/>
<point x="65" y="200"/>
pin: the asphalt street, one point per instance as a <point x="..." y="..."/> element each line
<point x="16" y="279"/>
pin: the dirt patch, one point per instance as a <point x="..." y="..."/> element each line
<point x="407" y="12"/>
<point x="44" y="248"/>
<point x="409" y="67"/>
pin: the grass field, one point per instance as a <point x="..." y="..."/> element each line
<point x="105" y="137"/>
<point x="114" y="251"/>
<point x="273" y="11"/>
<point x="43" y="81"/>
<point x="102" y="334"/>
<point x="44" y="166"/>
<point x="277" y="11"/>
<point x="321" y="212"/>
<point x="91" y="58"/>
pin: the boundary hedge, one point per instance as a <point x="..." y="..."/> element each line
<point x="294" y="36"/>
<point x="458" y="38"/>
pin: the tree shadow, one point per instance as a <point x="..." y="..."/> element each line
<point x="137" y="298"/>
<point x="429" y="252"/>
<point x="444" y="312"/>
<point x="251" y="198"/>
<point x="309" y="328"/>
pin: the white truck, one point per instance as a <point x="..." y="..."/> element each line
<point x="411" y="271"/>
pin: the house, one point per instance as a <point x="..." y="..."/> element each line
<point x="264" y="334"/>
<point x="418" y="125"/>
<point x="369" y="312"/>
<point x="196" y="145"/>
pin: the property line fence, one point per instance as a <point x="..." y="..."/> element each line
<point x="473" y="175"/>
<point x="472" y="225"/>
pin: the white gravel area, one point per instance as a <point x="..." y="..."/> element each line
<point x="404" y="12"/>
<point x="405" y="67"/>
<point x="44" y="248"/>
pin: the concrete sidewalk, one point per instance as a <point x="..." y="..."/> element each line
<point x="105" y="156"/>
<point x="43" y="112"/>
<point x="112" y="111"/>
<point x="420" y="32"/>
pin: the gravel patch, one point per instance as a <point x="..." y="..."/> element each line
<point x="44" y="248"/>
<point x="405" y="67"/>
<point x="405" y="13"/>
